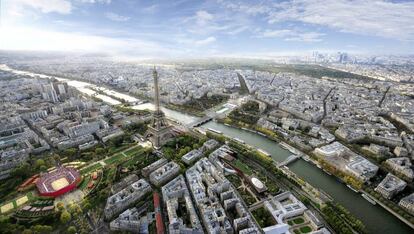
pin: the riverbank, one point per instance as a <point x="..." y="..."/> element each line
<point x="340" y="220"/>
<point x="369" y="214"/>
<point x="389" y="209"/>
<point x="352" y="183"/>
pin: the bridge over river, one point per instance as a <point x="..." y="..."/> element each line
<point x="288" y="160"/>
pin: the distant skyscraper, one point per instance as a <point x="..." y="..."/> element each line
<point x="55" y="91"/>
<point x="343" y="57"/>
<point x="158" y="131"/>
<point x="49" y="93"/>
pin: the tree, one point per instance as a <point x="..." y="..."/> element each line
<point x="72" y="230"/>
<point x="86" y="205"/>
<point x="39" y="163"/>
<point x="117" y="141"/>
<point x="41" y="229"/>
<point x="60" y="206"/>
<point x="75" y="209"/>
<point x="100" y="152"/>
<point x="43" y="168"/>
<point x="65" y="217"/>
<point x="69" y="152"/>
<point x="27" y="231"/>
<point x="23" y="171"/>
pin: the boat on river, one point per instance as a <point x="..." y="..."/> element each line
<point x="368" y="199"/>
<point x="352" y="188"/>
<point x="239" y="140"/>
<point x="214" y="130"/>
<point x="263" y="152"/>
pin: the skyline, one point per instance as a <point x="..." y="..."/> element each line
<point x="217" y="28"/>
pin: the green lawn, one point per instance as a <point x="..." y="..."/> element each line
<point x="305" y="229"/>
<point x="263" y="217"/>
<point x="298" y="220"/>
<point x="243" y="167"/>
<point x="113" y="149"/>
<point x="86" y="170"/>
<point x="85" y="182"/>
<point x="114" y="158"/>
<point x="139" y="155"/>
<point x="133" y="151"/>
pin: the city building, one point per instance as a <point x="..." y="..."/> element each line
<point x="408" y="203"/>
<point x="123" y="183"/>
<point x="164" y="174"/>
<point x="343" y="159"/>
<point x="192" y="156"/>
<point x="217" y="156"/>
<point x="334" y="149"/>
<point x="176" y="197"/>
<point x="285" y="207"/>
<point x="362" y="168"/>
<point x="120" y="201"/>
<point x="210" y="189"/>
<point x="401" y="167"/>
<point x="209" y="145"/>
<point x="132" y="220"/>
<point x="390" y="186"/>
<point x="153" y="166"/>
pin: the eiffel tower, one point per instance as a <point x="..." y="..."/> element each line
<point x="158" y="131"/>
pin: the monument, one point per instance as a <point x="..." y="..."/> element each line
<point x="159" y="131"/>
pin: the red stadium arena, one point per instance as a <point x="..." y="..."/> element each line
<point x="58" y="182"/>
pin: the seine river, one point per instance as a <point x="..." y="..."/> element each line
<point x="376" y="219"/>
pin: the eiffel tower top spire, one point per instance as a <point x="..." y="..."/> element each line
<point x="156" y="91"/>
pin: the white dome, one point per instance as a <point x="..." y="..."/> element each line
<point x="257" y="183"/>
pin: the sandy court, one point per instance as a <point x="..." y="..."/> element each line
<point x="72" y="197"/>
<point x="22" y="200"/>
<point x="7" y="207"/>
<point x="59" y="184"/>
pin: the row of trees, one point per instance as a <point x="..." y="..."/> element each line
<point x="336" y="214"/>
<point x="181" y="145"/>
<point x="203" y="103"/>
<point x="341" y="220"/>
<point x="391" y="205"/>
<point x="248" y="113"/>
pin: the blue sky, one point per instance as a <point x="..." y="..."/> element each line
<point x="191" y="28"/>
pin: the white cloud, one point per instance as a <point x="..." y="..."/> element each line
<point x="151" y="9"/>
<point x="35" y="39"/>
<point x="292" y="35"/>
<point x="115" y="17"/>
<point x="206" y="24"/>
<point x="96" y="1"/>
<point x="238" y="30"/>
<point x="206" y="41"/>
<point x="203" y="17"/>
<point x="381" y="18"/>
<point x="277" y="33"/>
<point x="250" y="9"/>
<point x="45" y="6"/>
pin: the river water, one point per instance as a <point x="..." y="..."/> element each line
<point x="376" y="219"/>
